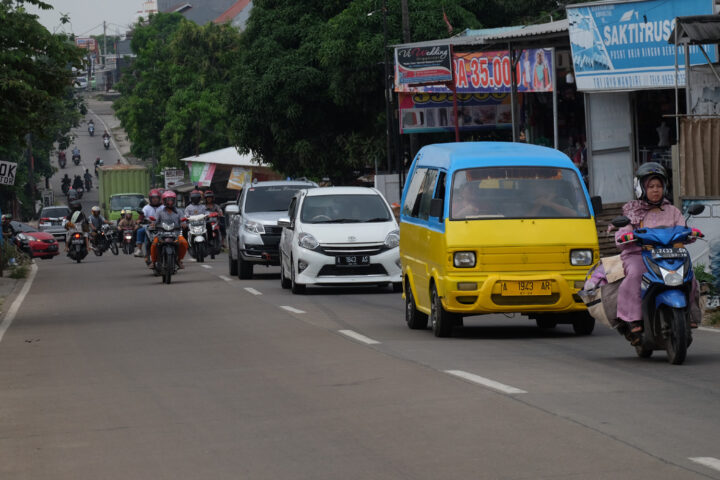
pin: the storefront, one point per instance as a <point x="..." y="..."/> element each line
<point x="626" y="70"/>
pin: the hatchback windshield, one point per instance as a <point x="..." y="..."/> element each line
<point x="270" y="199"/>
<point x="55" y="212"/>
<point x="118" y="202"/>
<point x="344" y="209"/>
<point x="517" y="192"/>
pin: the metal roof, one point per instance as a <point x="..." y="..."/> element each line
<point x="697" y="30"/>
<point x="511" y="35"/>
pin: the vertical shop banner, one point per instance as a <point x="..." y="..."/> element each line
<point x="173" y="177"/>
<point x="423" y="65"/>
<point x="202" y="173"/>
<point x="433" y="112"/>
<point x="238" y="177"/>
<point x="490" y="72"/>
<point x="620" y="46"/>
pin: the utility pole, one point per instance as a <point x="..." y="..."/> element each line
<point x="387" y="92"/>
<point x="407" y="38"/>
<point x="104" y="42"/>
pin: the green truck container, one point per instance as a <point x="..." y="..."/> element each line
<point x="121" y="186"/>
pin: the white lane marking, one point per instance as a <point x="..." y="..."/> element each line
<point x="227" y="279"/>
<point x="206" y="266"/>
<point x="291" y="309"/>
<point x="359" y="337"/>
<point x="253" y="291"/>
<point x="18" y="302"/>
<point x="706" y="329"/>
<point x="709" y="462"/>
<point x="486" y="382"/>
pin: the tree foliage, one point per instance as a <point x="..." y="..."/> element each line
<point x="37" y="102"/>
<point x="173" y="97"/>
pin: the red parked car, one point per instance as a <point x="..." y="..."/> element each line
<point x="33" y="242"/>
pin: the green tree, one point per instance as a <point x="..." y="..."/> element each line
<point x="37" y="102"/>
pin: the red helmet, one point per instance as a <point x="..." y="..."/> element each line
<point x="169" y="194"/>
<point x="209" y="194"/>
<point x="154" y="193"/>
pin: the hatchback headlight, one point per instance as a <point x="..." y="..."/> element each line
<point x="393" y="239"/>
<point x="464" y="259"/>
<point x="254" y="227"/>
<point x="581" y="257"/>
<point x="305" y="240"/>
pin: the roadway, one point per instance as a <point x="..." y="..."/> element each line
<point x="110" y="374"/>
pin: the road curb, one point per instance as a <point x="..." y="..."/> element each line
<point x="6" y="319"/>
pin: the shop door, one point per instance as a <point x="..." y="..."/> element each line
<point x="610" y="133"/>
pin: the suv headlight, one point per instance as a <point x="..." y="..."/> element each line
<point x="305" y="240"/>
<point x="393" y="239"/>
<point x="253" y="227"/>
<point x="464" y="259"/>
<point x="581" y="257"/>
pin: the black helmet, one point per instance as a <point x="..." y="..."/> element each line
<point x="75" y="206"/>
<point x="646" y="172"/>
<point x="195" y="196"/>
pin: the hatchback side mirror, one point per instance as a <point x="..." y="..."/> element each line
<point x="436" y="207"/>
<point x="620" y="221"/>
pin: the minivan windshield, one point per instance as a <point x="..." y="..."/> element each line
<point x="344" y="209"/>
<point x="517" y="192"/>
<point x="274" y="198"/>
<point x="119" y="202"/>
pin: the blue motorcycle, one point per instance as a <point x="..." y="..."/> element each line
<point x="665" y="289"/>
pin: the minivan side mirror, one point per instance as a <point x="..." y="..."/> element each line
<point x="436" y="207"/>
<point x="696" y="209"/>
<point x="620" y="221"/>
<point x="284" y="222"/>
<point x="232" y="210"/>
<point x="596" y="205"/>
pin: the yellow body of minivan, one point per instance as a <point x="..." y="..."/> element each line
<point x="492" y="227"/>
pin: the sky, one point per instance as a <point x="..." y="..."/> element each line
<point x="85" y="15"/>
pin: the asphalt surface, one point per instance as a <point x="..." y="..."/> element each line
<point x="107" y="373"/>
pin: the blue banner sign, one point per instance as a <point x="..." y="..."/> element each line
<point x="624" y="45"/>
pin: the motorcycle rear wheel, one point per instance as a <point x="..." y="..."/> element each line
<point x="677" y="341"/>
<point x="114" y="248"/>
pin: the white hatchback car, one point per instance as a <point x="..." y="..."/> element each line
<point x="339" y="235"/>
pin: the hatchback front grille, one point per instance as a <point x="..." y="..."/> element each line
<point x="335" y="270"/>
<point x="334" y="250"/>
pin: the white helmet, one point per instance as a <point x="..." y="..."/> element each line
<point x="95" y="209"/>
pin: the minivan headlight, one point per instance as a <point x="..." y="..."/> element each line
<point x="581" y="257"/>
<point x="253" y="227"/>
<point x="393" y="239"/>
<point x="305" y="240"/>
<point x="464" y="259"/>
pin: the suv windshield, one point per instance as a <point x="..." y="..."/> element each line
<point x="270" y="199"/>
<point x="54" y="212"/>
<point x="344" y="209"/>
<point x="118" y="202"/>
<point x="517" y="192"/>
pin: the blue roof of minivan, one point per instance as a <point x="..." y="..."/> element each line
<point x="478" y="154"/>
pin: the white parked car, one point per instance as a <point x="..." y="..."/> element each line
<point x="339" y="235"/>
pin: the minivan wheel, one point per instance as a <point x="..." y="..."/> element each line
<point x="415" y="319"/>
<point x="441" y="321"/>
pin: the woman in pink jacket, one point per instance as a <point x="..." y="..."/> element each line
<point x="650" y="210"/>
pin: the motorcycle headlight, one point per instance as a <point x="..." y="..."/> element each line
<point x="168" y="227"/>
<point x="254" y="227"/>
<point x="673" y="278"/>
<point x="305" y="240"/>
<point x="393" y="239"/>
<point x="464" y="259"/>
<point x="581" y="257"/>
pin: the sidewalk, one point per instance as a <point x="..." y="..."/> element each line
<point x="7" y="285"/>
<point x="100" y="106"/>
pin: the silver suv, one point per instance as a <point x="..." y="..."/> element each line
<point x="51" y="221"/>
<point x="253" y="232"/>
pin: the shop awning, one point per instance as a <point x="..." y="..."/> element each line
<point x="226" y="156"/>
<point x="697" y="30"/>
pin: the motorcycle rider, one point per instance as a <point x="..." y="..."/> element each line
<point x="149" y="210"/>
<point x="127" y="222"/>
<point x="169" y="213"/>
<point x="76" y="151"/>
<point x="88" y="180"/>
<point x="650" y="210"/>
<point x="212" y="207"/>
<point x="76" y="222"/>
<point x="95" y="221"/>
<point x="195" y="207"/>
<point x="77" y="182"/>
<point x="105" y="135"/>
<point x="66" y="181"/>
<point x="7" y="229"/>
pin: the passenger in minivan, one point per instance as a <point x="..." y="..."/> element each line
<point x="468" y="202"/>
<point x="548" y="201"/>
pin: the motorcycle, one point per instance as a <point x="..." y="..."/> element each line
<point x="76" y="158"/>
<point x="104" y="240"/>
<point x="80" y="192"/>
<point x="91" y="130"/>
<point x="77" y="249"/>
<point x="168" y="244"/>
<point x="665" y="289"/>
<point x="106" y="143"/>
<point x="62" y="161"/>
<point x="65" y="187"/>
<point x="128" y="241"/>
<point x="197" y="236"/>
<point x="214" y="240"/>
<point x="88" y="184"/>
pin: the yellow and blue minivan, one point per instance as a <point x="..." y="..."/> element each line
<point x="494" y="227"/>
